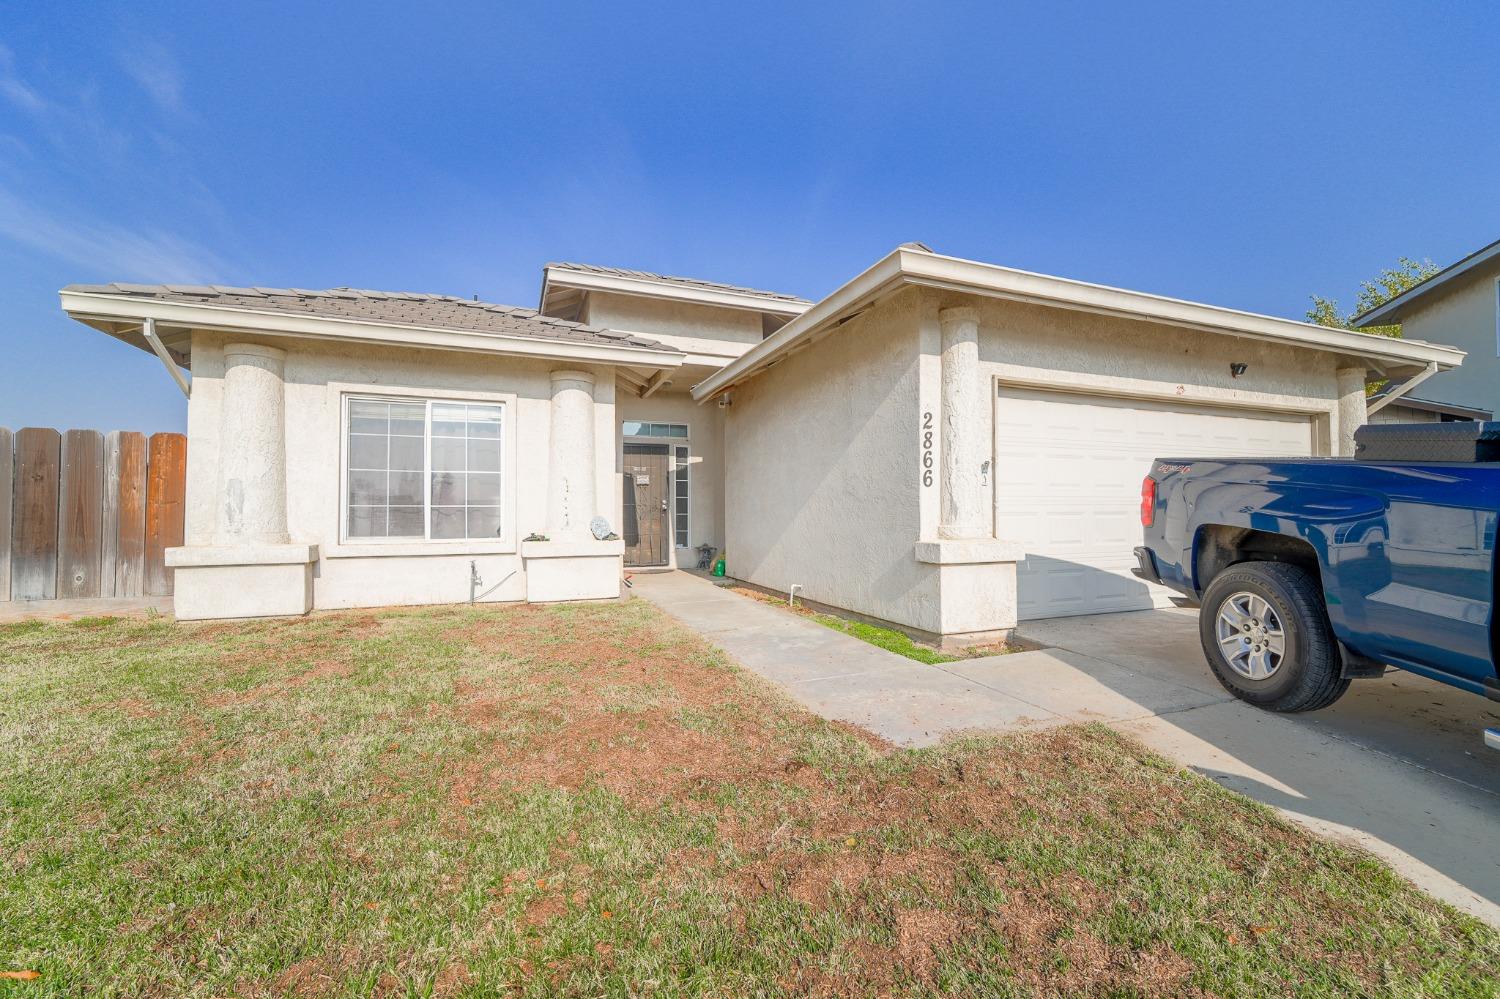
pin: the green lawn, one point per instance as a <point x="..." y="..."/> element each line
<point x="586" y="800"/>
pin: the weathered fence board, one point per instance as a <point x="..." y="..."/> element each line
<point x="80" y="515"/>
<point x="166" y="465"/>
<point x="126" y="502"/>
<point x="75" y="509"/>
<point x="7" y="471"/>
<point x="33" y="567"/>
<point x="109" y="547"/>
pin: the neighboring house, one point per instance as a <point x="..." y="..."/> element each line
<point x="1405" y="409"/>
<point x="1458" y="305"/>
<point x="942" y="444"/>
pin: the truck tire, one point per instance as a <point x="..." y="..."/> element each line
<point x="1267" y="638"/>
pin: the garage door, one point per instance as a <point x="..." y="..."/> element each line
<point x="1069" y="470"/>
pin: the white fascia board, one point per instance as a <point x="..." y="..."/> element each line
<point x="87" y="305"/>
<point x="907" y="266"/>
<point x="590" y="281"/>
<point x="937" y="271"/>
<point x="864" y="289"/>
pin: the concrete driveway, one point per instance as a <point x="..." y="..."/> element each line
<point x="1398" y="766"/>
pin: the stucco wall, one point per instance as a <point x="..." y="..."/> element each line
<point x="1055" y="348"/>
<point x="1464" y="316"/>
<point x="821" y="471"/>
<point x="705" y="460"/>
<point x="684" y="325"/>
<point x="316" y="375"/>
<point x="822" y="451"/>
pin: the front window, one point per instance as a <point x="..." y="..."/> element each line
<point x="423" y="469"/>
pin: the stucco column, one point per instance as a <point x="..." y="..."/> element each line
<point x="251" y="494"/>
<point x="570" y="458"/>
<point x="962" y="513"/>
<point x="1352" y="409"/>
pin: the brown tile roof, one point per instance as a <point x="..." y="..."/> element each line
<point x="684" y="281"/>
<point x="391" y="308"/>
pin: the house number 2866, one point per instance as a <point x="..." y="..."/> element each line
<point x="926" y="449"/>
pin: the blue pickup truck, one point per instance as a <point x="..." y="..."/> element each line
<point x="1312" y="572"/>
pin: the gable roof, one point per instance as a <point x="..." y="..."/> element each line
<point x="1393" y="311"/>
<point x="909" y="265"/>
<point x="686" y="281"/>
<point x="592" y="277"/>
<point x="346" y="313"/>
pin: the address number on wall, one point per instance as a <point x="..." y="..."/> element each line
<point x="926" y="449"/>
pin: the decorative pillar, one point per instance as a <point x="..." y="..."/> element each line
<point x="962" y="511"/>
<point x="572" y="564"/>
<point x="968" y="594"/>
<point x="1353" y="412"/>
<point x="570" y="459"/>
<point x="251" y="569"/>
<point x="251" y="493"/>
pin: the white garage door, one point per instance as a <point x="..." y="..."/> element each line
<point x="1069" y="470"/>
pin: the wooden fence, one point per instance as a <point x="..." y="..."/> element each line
<point x="85" y="514"/>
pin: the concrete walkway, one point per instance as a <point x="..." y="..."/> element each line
<point x="848" y="680"/>
<point x="1396" y="767"/>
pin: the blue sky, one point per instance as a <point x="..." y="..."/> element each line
<point x="1242" y="154"/>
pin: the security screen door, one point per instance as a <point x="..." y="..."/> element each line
<point x="648" y="496"/>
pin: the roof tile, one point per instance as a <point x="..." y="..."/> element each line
<point x="382" y="307"/>
<point x="684" y="281"/>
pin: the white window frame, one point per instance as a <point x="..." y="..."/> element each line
<point x="687" y="490"/>
<point x="504" y="543"/>
<point x="672" y="444"/>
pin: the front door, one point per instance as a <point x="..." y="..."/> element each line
<point x="648" y="494"/>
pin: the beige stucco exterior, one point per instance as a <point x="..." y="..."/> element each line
<point x="705" y="461"/>
<point x="825" y="450"/>
<point x="820" y="472"/>
<point x="317" y="376"/>
<point x="1463" y="313"/>
<point x="709" y="335"/>
<point x="1065" y="350"/>
<point x="846" y="447"/>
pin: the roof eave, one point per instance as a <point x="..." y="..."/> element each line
<point x="909" y="266"/>
<point x="1391" y="312"/>
<point x="565" y="277"/>
<point x="1433" y="406"/>
<point x="91" y="308"/>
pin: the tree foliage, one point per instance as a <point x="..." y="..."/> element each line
<point x="1374" y="293"/>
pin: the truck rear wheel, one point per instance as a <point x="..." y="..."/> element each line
<point x="1267" y="637"/>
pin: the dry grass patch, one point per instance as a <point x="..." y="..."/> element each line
<point x="588" y="800"/>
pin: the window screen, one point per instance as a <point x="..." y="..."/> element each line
<point x="423" y="469"/>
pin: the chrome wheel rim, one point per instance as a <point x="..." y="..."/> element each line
<point x="1250" y="635"/>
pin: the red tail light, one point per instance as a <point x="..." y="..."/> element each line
<point x="1148" y="501"/>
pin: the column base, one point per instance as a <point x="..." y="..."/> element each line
<point x="976" y="587"/>
<point x="213" y="581"/>
<point x="572" y="570"/>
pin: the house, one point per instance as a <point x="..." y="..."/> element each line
<point x="1459" y="305"/>
<point x="942" y="444"/>
<point x="1407" y="409"/>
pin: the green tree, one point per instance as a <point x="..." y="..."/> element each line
<point x="1387" y="285"/>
